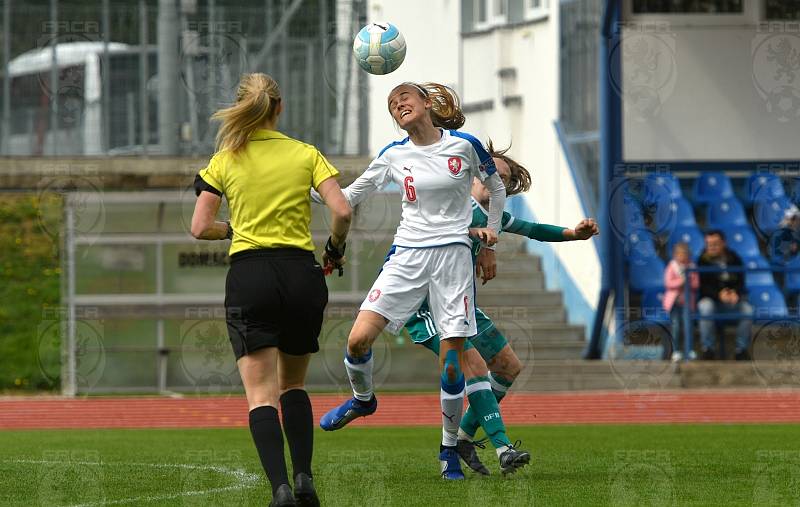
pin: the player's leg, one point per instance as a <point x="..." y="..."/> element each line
<point x="298" y="424"/>
<point x="451" y="398"/>
<point x="358" y="362"/>
<point x="259" y="374"/>
<point x="398" y="292"/>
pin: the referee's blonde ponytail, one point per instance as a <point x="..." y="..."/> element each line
<point x="257" y="100"/>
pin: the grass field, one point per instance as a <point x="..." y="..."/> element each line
<point x="572" y="465"/>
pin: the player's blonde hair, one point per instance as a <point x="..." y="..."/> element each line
<point x="520" y="177"/>
<point x="446" y="106"/>
<point x="257" y="100"/>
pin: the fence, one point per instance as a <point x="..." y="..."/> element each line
<point x="143" y="300"/>
<point x="143" y="77"/>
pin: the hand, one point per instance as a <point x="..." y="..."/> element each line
<point x="333" y="258"/>
<point x="486" y="265"/>
<point x="487" y="236"/>
<point x="586" y="228"/>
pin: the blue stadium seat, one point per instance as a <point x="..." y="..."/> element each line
<point x="780" y="246"/>
<point x="639" y="245"/>
<point x="792" y="278"/>
<point x="689" y="235"/>
<point x="762" y="186"/>
<point x="758" y="278"/>
<point x="646" y="273"/>
<point x="725" y="213"/>
<point x="767" y="302"/>
<point x="712" y="186"/>
<point x="742" y="241"/>
<point x="767" y="214"/>
<point x="652" y="305"/>
<point x="660" y="185"/>
<point x="684" y="213"/>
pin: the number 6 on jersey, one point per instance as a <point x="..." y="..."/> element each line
<point x="411" y="192"/>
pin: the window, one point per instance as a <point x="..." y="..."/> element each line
<point x="688" y="7"/>
<point x="782" y="10"/>
<point x="500" y="8"/>
<point x="480" y="11"/>
<point x="535" y="9"/>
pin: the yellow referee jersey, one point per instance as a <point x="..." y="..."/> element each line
<point x="267" y="186"/>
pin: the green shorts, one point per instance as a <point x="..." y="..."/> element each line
<point x="489" y="340"/>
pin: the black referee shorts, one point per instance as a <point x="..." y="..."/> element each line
<point x="275" y="298"/>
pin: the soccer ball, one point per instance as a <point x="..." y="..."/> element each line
<point x="379" y="48"/>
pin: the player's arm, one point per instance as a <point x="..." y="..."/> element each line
<point x="585" y="229"/>
<point x="374" y="178"/>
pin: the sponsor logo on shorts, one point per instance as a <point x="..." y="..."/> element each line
<point x="454" y="165"/>
<point x="374" y="295"/>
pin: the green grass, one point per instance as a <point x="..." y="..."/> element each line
<point x="573" y="465"/>
<point x="29" y="291"/>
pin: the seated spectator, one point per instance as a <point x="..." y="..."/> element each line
<point x="675" y="295"/>
<point x="723" y="292"/>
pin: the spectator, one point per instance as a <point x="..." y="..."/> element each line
<point x="723" y="292"/>
<point x="674" y="297"/>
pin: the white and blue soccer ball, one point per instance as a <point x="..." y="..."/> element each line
<point x="379" y="48"/>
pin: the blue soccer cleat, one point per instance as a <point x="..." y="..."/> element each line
<point x="451" y="467"/>
<point x="351" y="409"/>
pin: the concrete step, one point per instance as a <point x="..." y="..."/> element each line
<point x="519" y="282"/>
<point x="541" y="331"/>
<point x="521" y="262"/>
<point x="488" y="296"/>
<point x="567" y="375"/>
<point x="554" y="314"/>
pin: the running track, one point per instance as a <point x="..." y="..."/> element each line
<point x="751" y="406"/>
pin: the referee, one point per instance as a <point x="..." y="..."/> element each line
<point x="275" y="292"/>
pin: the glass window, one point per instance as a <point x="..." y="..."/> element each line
<point x="688" y="6"/>
<point x="500" y="7"/>
<point x="480" y="11"/>
<point x="782" y="10"/>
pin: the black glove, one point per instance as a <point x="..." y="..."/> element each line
<point x="229" y="235"/>
<point x="334" y="254"/>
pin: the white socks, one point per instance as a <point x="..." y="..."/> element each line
<point x="359" y="371"/>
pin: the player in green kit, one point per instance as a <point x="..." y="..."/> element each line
<point x="491" y="357"/>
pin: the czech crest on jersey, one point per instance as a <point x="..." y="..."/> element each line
<point x="454" y="164"/>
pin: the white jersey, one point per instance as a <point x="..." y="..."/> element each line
<point x="435" y="180"/>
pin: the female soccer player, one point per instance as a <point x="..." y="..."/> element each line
<point x="275" y="292"/>
<point x="430" y="257"/>
<point x="489" y="347"/>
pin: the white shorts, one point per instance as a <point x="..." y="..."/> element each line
<point x="443" y="274"/>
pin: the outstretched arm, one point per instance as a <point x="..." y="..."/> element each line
<point x="374" y="178"/>
<point x="551" y="233"/>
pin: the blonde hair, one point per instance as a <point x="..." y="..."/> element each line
<point x="257" y="100"/>
<point x="681" y="246"/>
<point x="446" y="106"/>
<point x="520" y="180"/>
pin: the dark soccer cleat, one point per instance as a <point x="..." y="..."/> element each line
<point x="351" y="409"/>
<point x="283" y="497"/>
<point x="466" y="450"/>
<point x="451" y="467"/>
<point x="304" y="493"/>
<point x="512" y="458"/>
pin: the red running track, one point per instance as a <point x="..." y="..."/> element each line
<point x="752" y="406"/>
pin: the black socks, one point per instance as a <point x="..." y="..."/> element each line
<point x="298" y="423"/>
<point x="268" y="437"/>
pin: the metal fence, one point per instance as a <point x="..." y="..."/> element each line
<point x="144" y="76"/>
<point x="143" y="300"/>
